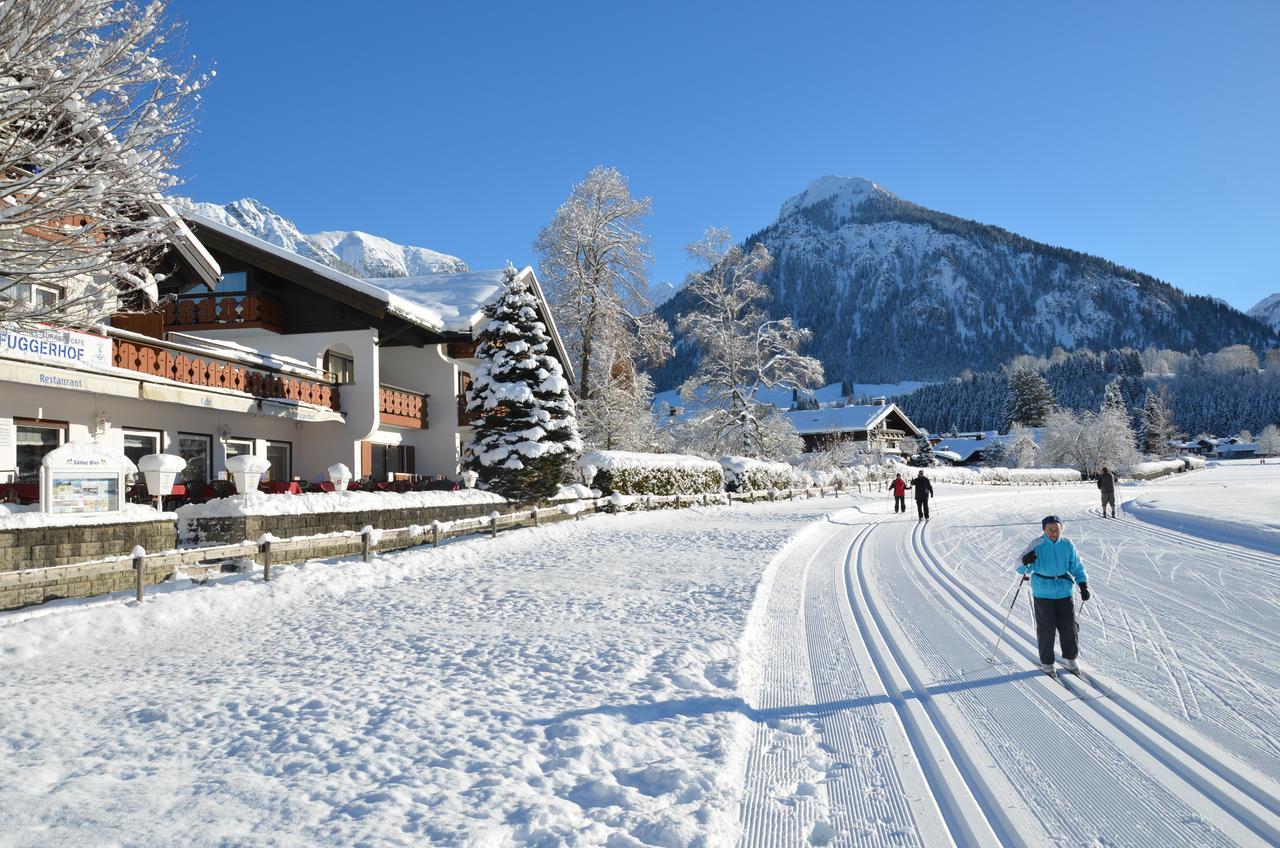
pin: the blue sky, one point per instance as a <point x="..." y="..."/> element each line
<point x="1143" y="132"/>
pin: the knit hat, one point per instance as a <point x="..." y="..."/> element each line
<point x="1049" y="519"/>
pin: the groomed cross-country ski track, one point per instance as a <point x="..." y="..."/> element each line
<point x="884" y="716"/>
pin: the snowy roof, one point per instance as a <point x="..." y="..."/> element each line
<point x="842" y="419"/>
<point x="399" y="306"/>
<point x="459" y="299"/>
<point x="967" y="444"/>
<point x="438" y="302"/>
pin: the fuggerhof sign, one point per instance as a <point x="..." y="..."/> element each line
<point x="56" y="347"/>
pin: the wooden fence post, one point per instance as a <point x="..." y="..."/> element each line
<point x="435" y="533"/>
<point x="265" y="547"/>
<point x="493" y="522"/>
<point x="364" y="543"/>
<point x="534" y="514"/>
<point x="139" y="567"/>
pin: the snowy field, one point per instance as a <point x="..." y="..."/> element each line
<point x="799" y="673"/>
<point x="1241" y="506"/>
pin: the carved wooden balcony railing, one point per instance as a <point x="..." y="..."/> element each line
<point x="222" y="312"/>
<point x="209" y="370"/>
<point x="402" y="408"/>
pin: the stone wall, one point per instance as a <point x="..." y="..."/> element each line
<point x="35" y="562"/>
<point x="39" y="547"/>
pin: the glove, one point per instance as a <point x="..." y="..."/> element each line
<point x="1029" y="557"/>
<point x="1084" y="591"/>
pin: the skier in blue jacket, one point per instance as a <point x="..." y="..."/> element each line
<point x="1054" y="569"/>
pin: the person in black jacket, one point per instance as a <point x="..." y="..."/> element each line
<point x="1107" y="486"/>
<point x="923" y="491"/>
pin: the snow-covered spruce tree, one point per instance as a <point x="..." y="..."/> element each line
<point x="741" y="350"/>
<point x="1158" y="427"/>
<point x="1029" y="399"/>
<point x="527" y="438"/>
<point x="924" y="450"/>
<point x="1113" y="396"/>
<point x="595" y="267"/>
<point x="94" y="108"/>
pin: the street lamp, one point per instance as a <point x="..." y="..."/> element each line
<point x="160" y="469"/>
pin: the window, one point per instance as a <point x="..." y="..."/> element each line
<point x="239" y="447"/>
<point x="35" y="438"/>
<point x="279" y="454"/>
<point x="387" y="460"/>
<point x="38" y="295"/>
<point x="232" y="282"/>
<point x="341" y="366"/>
<point x="140" y="443"/>
<point x="197" y="450"/>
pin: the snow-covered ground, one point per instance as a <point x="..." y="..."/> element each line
<point x="792" y="673"/>
<point x="1242" y="506"/>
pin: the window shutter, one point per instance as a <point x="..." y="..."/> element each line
<point x="366" y="459"/>
<point x="409" y="466"/>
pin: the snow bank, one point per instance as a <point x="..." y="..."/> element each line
<point x="573" y="492"/>
<point x="653" y="473"/>
<point x="29" y="517"/>
<point x="257" y="503"/>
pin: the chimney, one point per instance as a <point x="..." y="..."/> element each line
<point x="878" y="401"/>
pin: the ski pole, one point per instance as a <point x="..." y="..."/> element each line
<point x="992" y="659"/>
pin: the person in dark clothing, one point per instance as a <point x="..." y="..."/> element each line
<point x="1107" y="485"/>
<point x="899" y="487"/>
<point x="1054" y="569"/>
<point x="924" y="491"/>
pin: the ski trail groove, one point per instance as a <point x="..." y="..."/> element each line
<point x="973" y="813"/>
<point x="1247" y="796"/>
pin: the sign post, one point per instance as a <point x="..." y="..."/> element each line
<point x="83" y="477"/>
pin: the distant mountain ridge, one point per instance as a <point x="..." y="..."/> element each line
<point x="350" y="251"/>
<point x="895" y="291"/>
<point x="1267" y="311"/>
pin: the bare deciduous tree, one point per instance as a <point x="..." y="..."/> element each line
<point x="93" y="109"/>
<point x="1088" y="440"/>
<point x="741" y="350"/>
<point x="595" y="266"/>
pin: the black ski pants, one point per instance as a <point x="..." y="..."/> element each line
<point x="922" y="507"/>
<point x="1056" y="615"/>
<point x="899" y="503"/>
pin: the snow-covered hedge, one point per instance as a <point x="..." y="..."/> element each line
<point x="652" y="473"/>
<point x="980" y="475"/>
<point x="1162" y="467"/>
<point x="744" y="474"/>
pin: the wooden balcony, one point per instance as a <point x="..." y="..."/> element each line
<point x="402" y="408"/>
<point x="209" y="370"/>
<point x="463" y="349"/>
<point x="223" y="312"/>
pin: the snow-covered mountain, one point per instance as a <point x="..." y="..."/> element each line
<point x="895" y="291"/>
<point x="1267" y="311"/>
<point x="352" y="252"/>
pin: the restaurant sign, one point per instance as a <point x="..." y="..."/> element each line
<point x="55" y="346"/>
